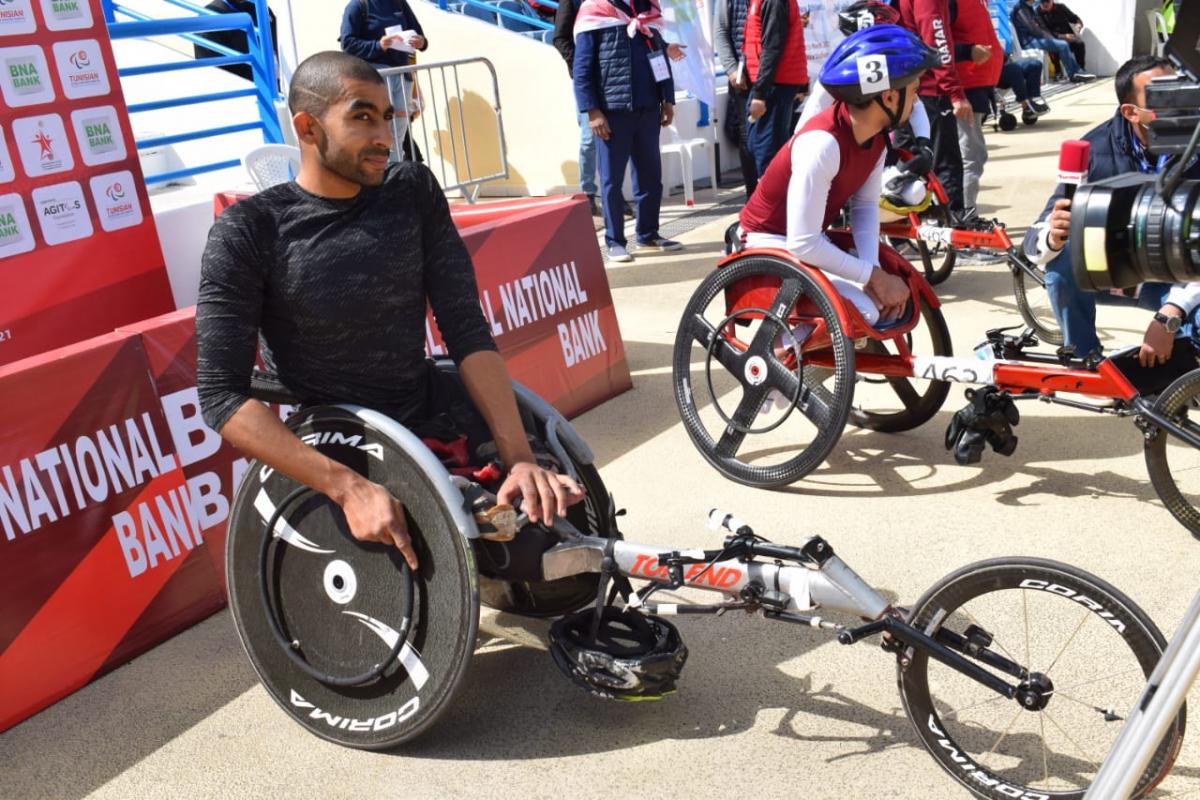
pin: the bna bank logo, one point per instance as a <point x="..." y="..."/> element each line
<point x="115" y="192"/>
<point x="79" y="59"/>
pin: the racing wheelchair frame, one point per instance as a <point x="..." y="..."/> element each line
<point x="782" y="334"/>
<point x="362" y="651"/>
<point x="938" y="242"/>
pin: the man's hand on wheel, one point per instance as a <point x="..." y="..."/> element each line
<point x="544" y="494"/>
<point x="888" y="292"/>
<point x="374" y="515"/>
<point x="1060" y="224"/>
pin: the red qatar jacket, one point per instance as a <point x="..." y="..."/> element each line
<point x="973" y="25"/>
<point x="930" y="19"/>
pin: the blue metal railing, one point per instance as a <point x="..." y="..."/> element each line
<point x="529" y="19"/>
<point x="259" y="56"/>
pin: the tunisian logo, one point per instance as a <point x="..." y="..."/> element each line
<point x="115" y="192"/>
<point x="79" y="59"/>
<point x="45" y="144"/>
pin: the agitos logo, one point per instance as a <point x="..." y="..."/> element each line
<point x="115" y="192"/>
<point x="79" y="59"/>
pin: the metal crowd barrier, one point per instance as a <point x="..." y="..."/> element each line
<point x="431" y="123"/>
<point x="260" y="57"/>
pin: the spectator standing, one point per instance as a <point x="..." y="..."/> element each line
<point x="623" y="82"/>
<point x="236" y="40"/>
<point x="364" y="34"/>
<point x="730" y="34"/>
<point x="1065" y="25"/>
<point x="1033" y="33"/>
<point x="978" y="61"/>
<point x="941" y="92"/>
<point x="564" y="42"/>
<point x="777" y="66"/>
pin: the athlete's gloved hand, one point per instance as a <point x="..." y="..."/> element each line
<point x="921" y="162"/>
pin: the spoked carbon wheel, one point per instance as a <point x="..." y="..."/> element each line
<point x="892" y="405"/>
<point x="1174" y="465"/>
<point x="937" y="259"/>
<point x="1033" y="301"/>
<point x="752" y="411"/>
<point x="1086" y="651"/>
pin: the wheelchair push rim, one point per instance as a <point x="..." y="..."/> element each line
<point x="342" y="608"/>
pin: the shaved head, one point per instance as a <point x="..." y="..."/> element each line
<point x="321" y="80"/>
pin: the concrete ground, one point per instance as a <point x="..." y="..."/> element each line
<point x="763" y="710"/>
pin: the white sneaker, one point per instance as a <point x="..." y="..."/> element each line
<point x="618" y="254"/>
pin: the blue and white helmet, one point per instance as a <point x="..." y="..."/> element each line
<point x="873" y="60"/>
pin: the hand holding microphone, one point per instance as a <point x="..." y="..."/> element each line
<point x="1073" y="159"/>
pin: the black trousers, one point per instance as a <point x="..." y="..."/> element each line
<point x="735" y="129"/>
<point x="947" y="158"/>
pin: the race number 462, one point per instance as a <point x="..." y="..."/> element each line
<point x="873" y="74"/>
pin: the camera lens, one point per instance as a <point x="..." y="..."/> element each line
<point x="1123" y="232"/>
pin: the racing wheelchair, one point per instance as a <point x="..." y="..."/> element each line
<point x="803" y="362"/>
<point x="938" y="239"/>
<point x="362" y="651"/>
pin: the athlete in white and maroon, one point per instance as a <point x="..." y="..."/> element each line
<point x="836" y="160"/>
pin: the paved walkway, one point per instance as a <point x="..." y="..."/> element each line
<point x="763" y="710"/>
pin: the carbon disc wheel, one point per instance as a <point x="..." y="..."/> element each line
<point x="341" y="605"/>
<point x="754" y="412"/>
<point x="1086" y="651"/>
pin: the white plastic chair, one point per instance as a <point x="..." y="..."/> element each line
<point x="686" y="150"/>
<point x="272" y="164"/>
<point x="1158" y="31"/>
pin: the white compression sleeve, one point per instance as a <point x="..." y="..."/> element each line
<point x="864" y="214"/>
<point x="815" y="163"/>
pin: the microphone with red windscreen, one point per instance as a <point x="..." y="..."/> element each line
<point x="1073" y="164"/>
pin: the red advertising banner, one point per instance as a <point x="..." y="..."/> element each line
<point x="544" y="291"/>
<point x="79" y="253"/>
<point x="102" y="537"/>
<point x="211" y="468"/>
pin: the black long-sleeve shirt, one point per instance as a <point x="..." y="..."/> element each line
<point x="1059" y="19"/>
<point x="564" y="32"/>
<point x="338" y="290"/>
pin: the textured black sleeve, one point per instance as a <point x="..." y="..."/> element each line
<point x="450" y="278"/>
<point x="232" y="284"/>
<point x="564" y="32"/>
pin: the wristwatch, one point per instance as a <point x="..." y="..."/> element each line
<point x="1171" y="323"/>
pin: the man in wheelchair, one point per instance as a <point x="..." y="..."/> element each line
<point x="836" y="159"/>
<point x="333" y="271"/>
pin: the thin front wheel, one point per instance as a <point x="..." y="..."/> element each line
<point x="1080" y="652"/>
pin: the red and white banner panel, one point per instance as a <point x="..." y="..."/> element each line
<point x="102" y="536"/>
<point x="79" y="253"/>
<point x="544" y="292"/>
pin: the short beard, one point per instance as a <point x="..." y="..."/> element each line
<point x="343" y="163"/>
